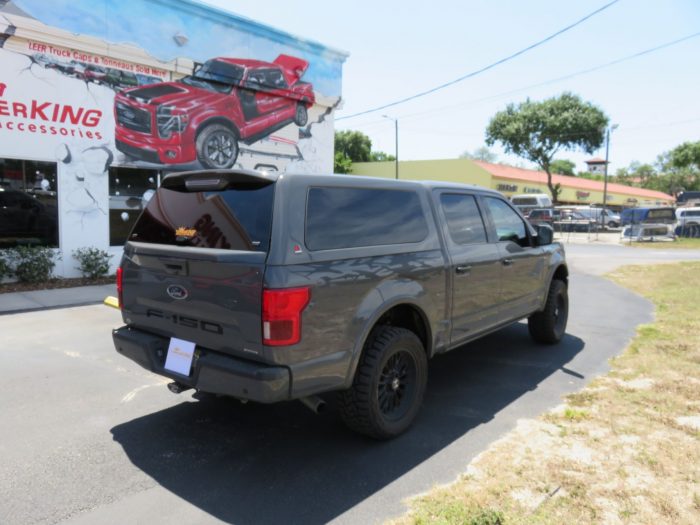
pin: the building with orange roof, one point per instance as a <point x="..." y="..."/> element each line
<point x="510" y="181"/>
<point x="596" y="165"/>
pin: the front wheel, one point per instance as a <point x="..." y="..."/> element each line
<point x="217" y="147"/>
<point x="389" y="384"/>
<point x="549" y="325"/>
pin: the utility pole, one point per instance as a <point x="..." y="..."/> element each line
<point x="605" y="176"/>
<point x="396" y="143"/>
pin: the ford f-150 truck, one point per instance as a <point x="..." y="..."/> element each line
<point x="272" y="287"/>
<point x="203" y="116"/>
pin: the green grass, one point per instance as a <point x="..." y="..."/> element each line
<point x="678" y="244"/>
<point x="618" y="451"/>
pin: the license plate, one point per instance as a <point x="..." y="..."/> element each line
<point x="179" y="358"/>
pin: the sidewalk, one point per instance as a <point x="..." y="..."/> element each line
<point x="18" y="302"/>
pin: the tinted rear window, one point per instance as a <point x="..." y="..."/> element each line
<point x="234" y="219"/>
<point x="352" y="217"/>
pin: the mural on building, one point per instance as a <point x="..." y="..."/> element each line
<point x="90" y="89"/>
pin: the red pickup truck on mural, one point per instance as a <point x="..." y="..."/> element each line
<point x="203" y="116"/>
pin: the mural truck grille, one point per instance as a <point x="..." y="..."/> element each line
<point x="133" y="118"/>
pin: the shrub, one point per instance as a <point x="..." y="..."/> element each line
<point x="93" y="262"/>
<point x="33" y="264"/>
<point x="5" y="268"/>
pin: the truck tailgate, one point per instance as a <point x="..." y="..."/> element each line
<point x="210" y="297"/>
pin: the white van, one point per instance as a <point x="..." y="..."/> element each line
<point x="529" y="201"/>
<point x="688" y="221"/>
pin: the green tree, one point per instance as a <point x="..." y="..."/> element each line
<point x="350" y="146"/>
<point x="481" y="153"/>
<point x="685" y="156"/>
<point x="563" y="167"/>
<point x="636" y="174"/>
<point x="536" y="131"/>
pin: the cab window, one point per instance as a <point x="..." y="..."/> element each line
<point x="463" y="218"/>
<point x="509" y="225"/>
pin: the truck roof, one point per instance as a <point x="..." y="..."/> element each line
<point x="179" y="179"/>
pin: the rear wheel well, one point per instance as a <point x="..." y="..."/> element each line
<point x="561" y="274"/>
<point x="411" y="318"/>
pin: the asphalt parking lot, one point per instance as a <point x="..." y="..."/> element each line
<point x="90" y="437"/>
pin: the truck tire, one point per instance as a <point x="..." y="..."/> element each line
<point x="549" y="325"/>
<point x="301" y="115"/>
<point x="389" y="384"/>
<point x="217" y="147"/>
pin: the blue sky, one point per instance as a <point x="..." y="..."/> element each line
<point x="151" y="25"/>
<point x="398" y="48"/>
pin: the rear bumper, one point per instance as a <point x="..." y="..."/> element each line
<point x="212" y="372"/>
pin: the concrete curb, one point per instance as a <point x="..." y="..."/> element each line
<point x="21" y="302"/>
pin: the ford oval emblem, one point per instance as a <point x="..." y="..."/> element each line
<point x="177" y="292"/>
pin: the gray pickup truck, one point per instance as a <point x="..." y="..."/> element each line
<point x="271" y="287"/>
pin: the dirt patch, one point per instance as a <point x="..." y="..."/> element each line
<point x="624" y="450"/>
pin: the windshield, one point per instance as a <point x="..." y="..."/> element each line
<point x="215" y="75"/>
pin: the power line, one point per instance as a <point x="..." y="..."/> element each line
<point x="485" y="68"/>
<point x="546" y="82"/>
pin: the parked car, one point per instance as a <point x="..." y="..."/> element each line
<point x="204" y="116"/>
<point x="23" y="217"/>
<point x="541" y="216"/>
<point x="601" y="216"/>
<point x="227" y="288"/>
<point x="118" y="79"/>
<point x="688" y="224"/>
<point x="568" y="220"/>
<point x="93" y="73"/>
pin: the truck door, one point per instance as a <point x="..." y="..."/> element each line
<point x="523" y="263"/>
<point x="475" y="266"/>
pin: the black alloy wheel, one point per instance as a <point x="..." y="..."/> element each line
<point x="217" y="147"/>
<point x="389" y="384"/>
<point x="397" y="385"/>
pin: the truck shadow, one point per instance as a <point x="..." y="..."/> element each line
<point x="283" y="464"/>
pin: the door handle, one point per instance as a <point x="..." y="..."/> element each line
<point x="463" y="269"/>
<point x="507" y="262"/>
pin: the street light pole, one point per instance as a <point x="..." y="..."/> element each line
<point x="605" y="176"/>
<point x="396" y="142"/>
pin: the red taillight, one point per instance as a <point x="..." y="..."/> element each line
<point x="119" y="287"/>
<point x="281" y="315"/>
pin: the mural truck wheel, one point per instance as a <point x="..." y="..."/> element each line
<point x="301" y="116"/>
<point x="217" y="147"/>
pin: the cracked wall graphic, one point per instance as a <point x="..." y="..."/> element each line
<point x="108" y="108"/>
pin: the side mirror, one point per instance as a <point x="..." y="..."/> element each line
<point x="545" y="234"/>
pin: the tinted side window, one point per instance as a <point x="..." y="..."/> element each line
<point x="463" y="218"/>
<point x="509" y="225"/>
<point x="351" y="217"/>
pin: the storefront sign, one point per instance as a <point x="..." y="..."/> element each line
<point x="532" y="190"/>
<point x="507" y="187"/>
<point x="50" y="52"/>
<point x="98" y="99"/>
<point x="583" y="194"/>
